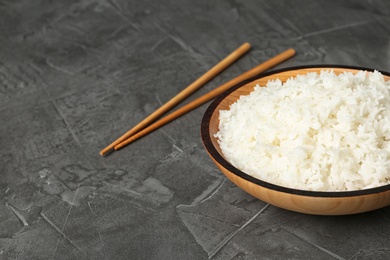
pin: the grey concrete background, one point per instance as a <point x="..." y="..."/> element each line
<point x="75" y="75"/>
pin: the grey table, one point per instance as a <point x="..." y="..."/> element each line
<point x="75" y="75"/>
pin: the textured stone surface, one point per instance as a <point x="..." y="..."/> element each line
<point x="74" y="75"/>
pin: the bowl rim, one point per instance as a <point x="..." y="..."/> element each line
<point x="207" y="142"/>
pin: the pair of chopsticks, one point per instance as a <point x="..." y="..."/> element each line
<point x="147" y="126"/>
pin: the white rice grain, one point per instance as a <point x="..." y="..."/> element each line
<point x="322" y="132"/>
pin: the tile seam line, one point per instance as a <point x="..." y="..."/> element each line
<point x="226" y="240"/>
<point x="52" y="101"/>
<point x="334" y="255"/>
<point x="337" y="28"/>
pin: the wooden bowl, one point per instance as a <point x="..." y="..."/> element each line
<point x="304" y="201"/>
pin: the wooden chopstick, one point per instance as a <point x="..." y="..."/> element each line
<point x="230" y="59"/>
<point x="210" y="95"/>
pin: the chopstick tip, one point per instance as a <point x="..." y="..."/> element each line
<point x="292" y="51"/>
<point x="106" y="151"/>
<point x="247" y="44"/>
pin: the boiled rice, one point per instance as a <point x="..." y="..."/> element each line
<point x="322" y="132"/>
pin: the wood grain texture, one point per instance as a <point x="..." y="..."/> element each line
<point x="304" y="203"/>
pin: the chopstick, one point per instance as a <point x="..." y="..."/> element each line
<point x="214" y="71"/>
<point x="210" y="95"/>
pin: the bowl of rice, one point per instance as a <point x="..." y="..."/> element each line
<point x="314" y="140"/>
